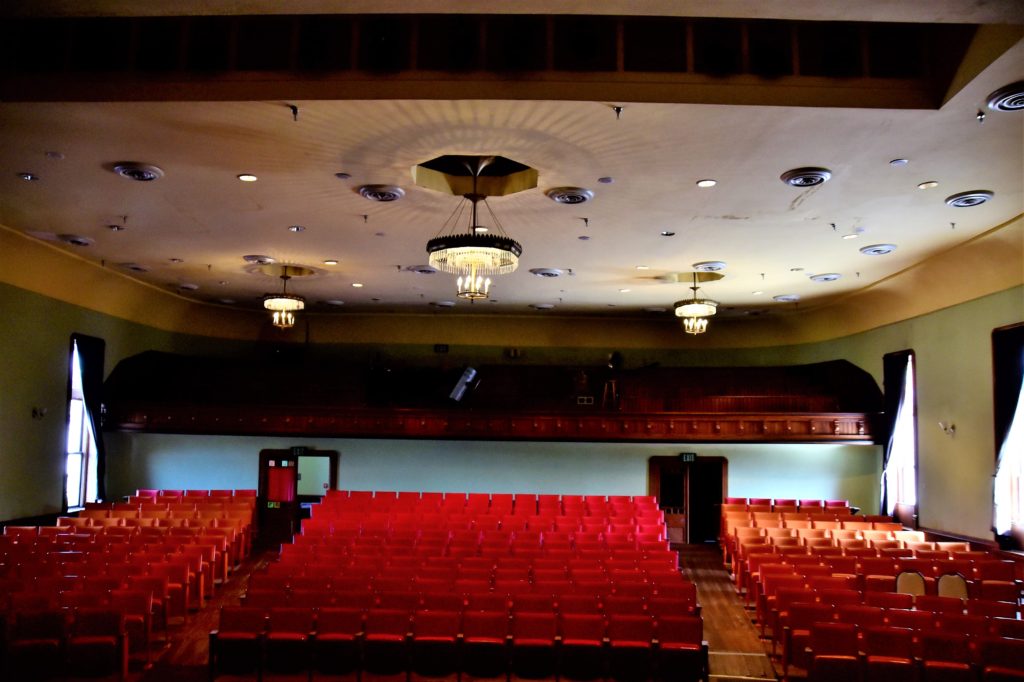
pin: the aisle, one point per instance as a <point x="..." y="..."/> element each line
<point x="736" y="652"/>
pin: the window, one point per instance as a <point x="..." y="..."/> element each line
<point x="899" y="476"/>
<point x="82" y="479"/>
<point x="1008" y="404"/>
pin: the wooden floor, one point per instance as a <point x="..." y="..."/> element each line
<point x="736" y="652"/>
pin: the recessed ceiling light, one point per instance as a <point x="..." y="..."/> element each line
<point x="296" y="228"/>
<point x="134" y="267"/>
<point x="422" y="269"/>
<point x="643" y="267"/>
<point x="330" y="261"/>
<point x="786" y="298"/>
<point x="707" y="182"/>
<point x="606" y="180"/>
<point x="28" y="177"/>
<point x="443" y="304"/>
<point x="825" y="277"/>
<point x="175" y="260"/>
<point x="668" y="233"/>
<point x="1007" y="98"/>
<point x="756" y="293"/>
<point x="970" y="198"/>
<point x="248" y="177"/>
<point x="625" y="291"/>
<point x="928" y="184"/>
<point x="75" y="239"/>
<point x="54" y="156"/>
<point x="852" y="235"/>
<point x="188" y="286"/>
<point x="896" y="163"/>
<point x="223" y="282"/>
<point x="878" y="249"/>
<point x="378" y="234"/>
<point x="357" y="285"/>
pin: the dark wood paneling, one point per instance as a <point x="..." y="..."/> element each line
<point x="485" y="425"/>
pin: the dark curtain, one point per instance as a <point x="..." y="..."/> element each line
<point x="1007" y="376"/>
<point x="90" y="353"/>
<point x="894" y="373"/>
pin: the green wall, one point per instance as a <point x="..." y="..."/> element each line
<point x="954" y="385"/>
<point x="755" y="470"/>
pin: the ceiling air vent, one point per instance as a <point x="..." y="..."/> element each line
<point x="258" y="259"/>
<point x="140" y="172"/>
<point x="546" y="272"/>
<point x="709" y="266"/>
<point x="188" y="286"/>
<point x="443" y="304"/>
<point x="422" y="269"/>
<point x="75" y="239"/>
<point x="542" y="306"/>
<point x="967" y="199"/>
<point x="826" y="277"/>
<point x="569" y="195"/>
<point x="878" y="249"/>
<point x="806" y="177"/>
<point x="134" y="267"/>
<point x="1008" y="98"/>
<point x="382" y="193"/>
<point x="786" y="298"/>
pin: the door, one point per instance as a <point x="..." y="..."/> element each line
<point x="288" y="479"/>
<point x="690" y="492"/>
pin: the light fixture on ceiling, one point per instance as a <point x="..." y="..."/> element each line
<point x="283" y="305"/>
<point x="695" y="311"/>
<point x="479" y="253"/>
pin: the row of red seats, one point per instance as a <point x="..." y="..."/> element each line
<point x="901" y="609"/>
<point x="84" y="641"/>
<point x="438" y="643"/>
<point x="842" y="652"/>
<point x="785" y="502"/>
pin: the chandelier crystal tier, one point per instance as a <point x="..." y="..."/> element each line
<point x="477" y="254"/>
<point x="695" y="311"/>
<point x="283" y="306"/>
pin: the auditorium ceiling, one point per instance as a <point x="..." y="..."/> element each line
<point x="895" y="157"/>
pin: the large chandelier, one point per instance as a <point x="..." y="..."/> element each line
<point x="478" y="253"/>
<point x="695" y="311"/>
<point x="283" y="306"/>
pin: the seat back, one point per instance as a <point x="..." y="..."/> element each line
<point x="910" y="582"/>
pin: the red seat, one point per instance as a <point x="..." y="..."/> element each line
<point x="484" y="643"/>
<point x="631" y="639"/>
<point x="796" y="631"/>
<point x="137" y="606"/>
<point x="582" y="651"/>
<point x="98" y="644"/>
<point x="945" y="657"/>
<point x="35" y="644"/>
<point x="1002" y="658"/>
<point x="834" y="651"/>
<point x="287" y="646"/>
<point x="336" y="647"/>
<point x="235" y="645"/>
<point x="434" y="638"/>
<point x="533" y="653"/>
<point x="681" y="651"/>
<point x="385" y="638"/>
<point x="889" y="654"/>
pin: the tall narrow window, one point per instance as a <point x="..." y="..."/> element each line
<point x="81" y="443"/>
<point x="1008" y="404"/>
<point x="899" y="475"/>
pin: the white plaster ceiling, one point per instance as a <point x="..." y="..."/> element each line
<point x="763" y="229"/>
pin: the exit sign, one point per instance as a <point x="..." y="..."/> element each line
<point x="687" y="457"/>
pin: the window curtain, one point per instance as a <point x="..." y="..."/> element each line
<point x="1008" y="396"/>
<point x="894" y="372"/>
<point x="91" y="352"/>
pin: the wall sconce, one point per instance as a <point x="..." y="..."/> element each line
<point x="948" y="428"/>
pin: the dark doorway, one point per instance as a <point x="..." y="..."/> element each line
<point x="690" y="493"/>
<point x="283" y="490"/>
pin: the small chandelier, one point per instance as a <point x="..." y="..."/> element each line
<point x="477" y="254"/>
<point x="283" y="306"/>
<point x="695" y="311"/>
